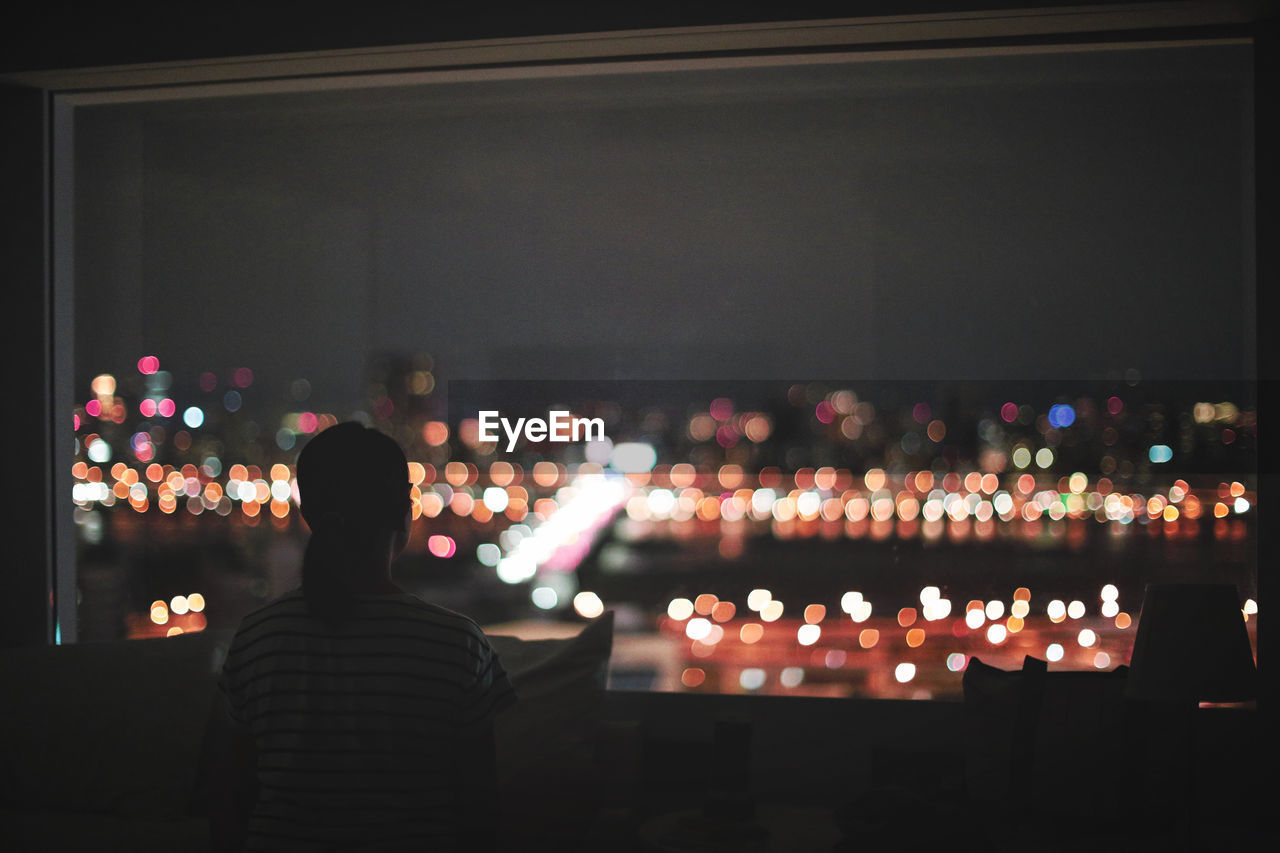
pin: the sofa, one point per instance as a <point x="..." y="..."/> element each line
<point x="102" y="750"/>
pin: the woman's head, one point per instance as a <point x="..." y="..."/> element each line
<point x="356" y="473"/>
<point x="354" y="489"/>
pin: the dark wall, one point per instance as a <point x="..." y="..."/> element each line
<point x="1266" y="120"/>
<point x="24" y="587"/>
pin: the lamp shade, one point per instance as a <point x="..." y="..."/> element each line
<point x="1192" y="646"/>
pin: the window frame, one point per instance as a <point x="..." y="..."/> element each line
<point x="875" y="39"/>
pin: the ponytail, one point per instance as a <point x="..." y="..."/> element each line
<point x="326" y="567"/>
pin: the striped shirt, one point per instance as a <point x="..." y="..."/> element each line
<point x="358" y="729"/>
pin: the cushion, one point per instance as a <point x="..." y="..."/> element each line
<point x="1037" y="739"/>
<point x="996" y="729"/>
<point x="545" y="742"/>
<point x="107" y="728"/>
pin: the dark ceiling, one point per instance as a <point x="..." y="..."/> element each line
<point x="60" y="34"/>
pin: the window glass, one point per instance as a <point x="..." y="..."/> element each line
<point x="895" y="362"/>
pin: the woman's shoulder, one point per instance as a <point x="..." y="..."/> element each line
<point x="289" y="604"/>
<point x="400" y="614"/>
<point x="409" y="606"/>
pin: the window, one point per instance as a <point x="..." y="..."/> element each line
<point x="908" y="339"/>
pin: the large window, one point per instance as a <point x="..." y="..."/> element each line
<point x="898" y="361"/>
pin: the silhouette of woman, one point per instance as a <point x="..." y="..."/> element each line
<point x="359" y="717"/>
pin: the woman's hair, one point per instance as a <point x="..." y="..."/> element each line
<point x="353" y="485"/>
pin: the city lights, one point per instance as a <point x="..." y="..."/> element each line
<point x="699" y="514"/>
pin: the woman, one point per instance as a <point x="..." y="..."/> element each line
<point x="361" y="715"/>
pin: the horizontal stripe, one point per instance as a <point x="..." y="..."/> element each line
<point x="396" y="703"/>
<point x="393" y="640"/>
<point x="325" y="835"/>
<point x="282" y="803"/>
<point x="416" y="609"/>
<point x="360" y="712"/>
<point x="285" y="844"/>
<point x="353" y="655"/>
<point x="369" y="836"/>
<point x="355" y="793"/>
<point x="429" y="816"/>
<point x="355" y="770"/>
<point x="320" y="731"/>
<point x="352" y="750"/>
<point x="392" y="832"/>
<point x="355" y="690"/>
<point x="468" y="629"/>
